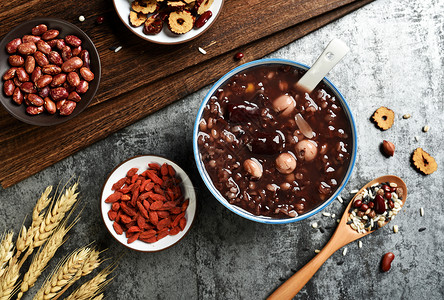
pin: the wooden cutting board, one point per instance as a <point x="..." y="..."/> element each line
<point x="143" y="77"/>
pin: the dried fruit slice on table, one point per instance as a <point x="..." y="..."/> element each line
<point x="181" y="22"/>
<point x="424" y="162"/>
<point x="384" y="117"/>
<point x="137" y="18"/>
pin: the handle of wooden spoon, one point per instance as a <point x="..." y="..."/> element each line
<point x="334" y="52"/>
<point x="296" y="282"/>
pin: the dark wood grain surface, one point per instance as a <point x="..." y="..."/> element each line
<point x="143" y="77"/>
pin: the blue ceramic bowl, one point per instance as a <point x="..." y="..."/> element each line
<point x="206" y="178"/>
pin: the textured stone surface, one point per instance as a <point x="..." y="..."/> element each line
<point x="396" y="60"/>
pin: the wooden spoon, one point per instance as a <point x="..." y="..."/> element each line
<point x="343" y="235"/>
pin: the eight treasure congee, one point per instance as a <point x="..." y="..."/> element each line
<point x="271" y="149"/>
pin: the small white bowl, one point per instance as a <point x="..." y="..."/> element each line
<point x="166" y="37"/>
<point x="142" y="162"/>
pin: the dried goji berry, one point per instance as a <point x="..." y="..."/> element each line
<point x="134" y="178"/>
<point x="131" y="172"/>
<point x="125" y="219"/>
<point x="177" y="219"/>
<point x="115" y="206"/>
<point x="133" y="238"/>
<point x="125" y="198"/>
<point x="149" y="186"/>
<point x="147" y="234"/>
<point x="134" y="229"/>
<point x="154" y="166"/>
<point x="176" y="210"/>
<point x="163" y="214"/>
<point x="142" y="210"/>
<point x="163" y="224"/>
<point x="141" y="222"/>
<point x="157" y="197"/>
<point x="154" y="219"/>
<point x="129" y="211"/>
<point x="156" y="205"/>
<point x="117" y="228"/>
<point x="127" y="189"/>
<point x="113" y="197"/>
<point x="134" y="197"/>
<point x="185" y="204"/>
<point x="151" y="175"/>
<point x="146" y="204"/>
<point x="150" y="240"/>
<point x="164" y="169"/>
<point x="174" y="231"/>
<point x="182" y="223"/>
<point x="161" y="235"/>
<point x="112" y="215"/>
<point x="118" y="184"/>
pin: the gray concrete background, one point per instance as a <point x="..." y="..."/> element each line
<point x="396" y="60"/>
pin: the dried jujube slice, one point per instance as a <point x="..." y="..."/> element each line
<point x="137" y="18"/>
<point x="424" y="162"/>
<point x="176" y="5"/>
<point x="181" y="22"/>
<point x="144" y="6"/>
<point x="203" y="6"/>
<point x="384" y="117"/>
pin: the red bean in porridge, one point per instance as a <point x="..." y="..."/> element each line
<point x="271" y="149"/>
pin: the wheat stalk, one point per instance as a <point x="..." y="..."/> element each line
<point x="93" y="287"/>
<point x="41" y="259"/>
<point x="6" y="250"/>
<point x="99" y="297"/>
<point x="66" y="274"/>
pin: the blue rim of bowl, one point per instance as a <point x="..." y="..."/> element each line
<point x="237" y="210"/>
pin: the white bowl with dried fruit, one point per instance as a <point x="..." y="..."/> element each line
<point x="168" y="22"/>
<point x="148" y="203"/>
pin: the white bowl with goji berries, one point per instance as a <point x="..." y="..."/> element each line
<point x="148" y="203"/>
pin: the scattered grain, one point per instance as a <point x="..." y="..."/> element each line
<point x="344" y="252"/>
<point x="395" y="228"/>
<point x="202" y="50"/>
<point x="81" y="18"/>
<point x="406" y="116"/>
<point x="426" y="128"/>
<point x="421" y="212"/>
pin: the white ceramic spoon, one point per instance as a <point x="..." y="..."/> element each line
<point x="334" y="52"/>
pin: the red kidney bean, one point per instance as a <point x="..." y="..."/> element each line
<point x="35" y="100"/>
<point x="17" y="96"/>
<point x="43" y="47"/>
<point x="60" y="44"/>
<point x="393" y="189"/>
<point x="27" y="48"/>
<point x="43" y="81"/>
<point x="16" y="61"/>
<point x="50" y="34"/>
<point x="52" y="43"/>
<point x="363" y="207"/>
<point x="67" y="108"/>
<point x="379" y="204"/>
<point x="73" y="41"/>
<point x="55" y="58"/>
<point x="69" y="88"/>
<point x="12" y="46"/>
<point x="50" y="106"/>
<point x="34" y="110"/>
<point x="357" y="203"/>
<point x="386" y="188"/>
<point x="238" y="56"/>
<point x="82" y="87"/>
<point x="28" y="87"/>
<point x="25" y="99"/>
<point x="41" y="59"/>
<point x="39" y="29"/>
<point x="36" y="74"/>
<point x="388" y="195"/>
<point x="100" y="20"/>
<point x="391" y="204"/>
<point x="58" y="94"/>
<point x="51" y="69"/>
<point x="73" y="96"/>
<point x="22" y="75"/>
<point x="84" y="55"/>
<point x="8" y="87"/>
<point x="29" y="64"/>
<point x="386" y="262"/>
<point x="58" y="80"/>
<point x="17" y="82"/>
<point x="44" y="92"/>
<point x="86" y="74"/>
<point x="76" y="51"/>
<point x="72" y="64"/>
<point x="9" y="74"/>
<point x="203" y="19"/>
<point x="60" y="103"/>
<point x="30" y="39"/>
<point x="73" y="78"/>
<point x="371" y="205"/>
<point x="66" y="53"/>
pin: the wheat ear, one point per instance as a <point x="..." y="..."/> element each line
<point x="41" y="259"/>
<point x="99" y="297"/>
<point x="65" y="274"/>
<point x="93" y="287"/>
<point x="6" y="250"/>
<point x="8" y="280"/>
<point x="26" y="236"/>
